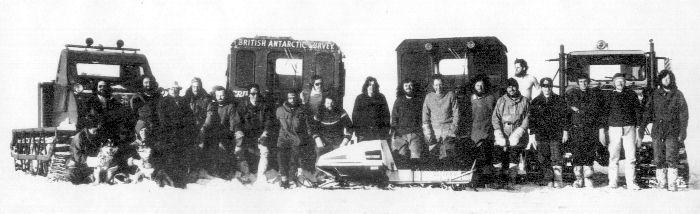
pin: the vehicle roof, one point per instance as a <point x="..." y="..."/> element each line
<point x="285" y="42"/>
<point x="481" y="43"/>
<point x="606" y="52"/>
<point x="106" y="57"/>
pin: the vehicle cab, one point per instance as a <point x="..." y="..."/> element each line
<point x="62" y="102"/>
<point x="280" y="64"/>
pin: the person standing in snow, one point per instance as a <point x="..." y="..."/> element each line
<point x="510" y="120"/>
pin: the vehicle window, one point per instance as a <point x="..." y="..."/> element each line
<point x="245" y="72"/>
<point x="454" y="71"/>
<point x="453" y="67"/>
<point x="324" y="67"/>
<point x="605" y="72"/>
<point x="289" y="72"/>
<point x="100" y="70"/>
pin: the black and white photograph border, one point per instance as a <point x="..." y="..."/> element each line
<point x="186" y="39"/>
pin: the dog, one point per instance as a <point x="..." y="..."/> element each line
<point x="145" y="169"/>
<point x="105" y="159"/>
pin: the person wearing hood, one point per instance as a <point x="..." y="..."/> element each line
<point x="178" y="130"/>
<point x="406" y="122"/>
<point x="370" y="116"/>
<point x="510" y="120"/>
<point x="440" y="120"/>
<point x="222" y="138"/>
<point x="293" y="137"/>
<point x="547" y="119"/>
<point x="623" y="109"/>
<point x="668" y="110"/>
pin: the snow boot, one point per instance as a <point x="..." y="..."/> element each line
<point x="558" y="181"/>
<point x="661" y="181"/>
<point x="547" y="176"/>
<point x="612" y="175"/>
<point x="672" y="177"/>
<point x="513" y="170"/>
<point x="578" y="172"/>
<point x="498" y="180"/>
<point x="630" y="177"/>
<point x="587" y="176"/>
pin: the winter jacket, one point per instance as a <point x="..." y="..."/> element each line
<point x="176" y="117"/>
<point x="622" y="108"/>
<point x="198" y="105"/>
<point x="669" y="113"/>
<point x="406" y="115"/>
<point x="220" y="123"/>
<point x="511" y="114"/>
<point x="370" y="116"/>
<point x="293" y="125"/>
<point x="590" y="106"/>
<point x="146" y="108"/>
<point x="253" y="120"/>
<point x="548" y="117"/>
<point x="440" y="114"/>
<point x="314" y="100"/>
<point x="330" y="125"/>
<point x="480" y="114"/>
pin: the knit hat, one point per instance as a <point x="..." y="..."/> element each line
<point x="619" y="75"/>
<point x="546" y="82"/>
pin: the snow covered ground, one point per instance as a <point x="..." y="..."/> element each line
<point x="22" y="193"/>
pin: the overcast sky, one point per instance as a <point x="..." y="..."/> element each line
<point x="186" y="39"/>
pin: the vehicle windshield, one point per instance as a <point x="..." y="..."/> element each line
<point x="604" y="67"/>
<point x="108" y="70"/>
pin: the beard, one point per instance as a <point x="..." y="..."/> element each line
<point x="666" y="87"/>
<point x="104" y="93"/>
<point x="480" y="93"/>
<point x="521" y="74"/>
<point x="514" y="95"/>
<point x="410" y="94"/>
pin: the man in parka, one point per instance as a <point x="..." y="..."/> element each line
<point x="668" y="110"/>
<point x="293" y="136"/>
<point x="254" y="120"/>
<point x="510" y="120"/>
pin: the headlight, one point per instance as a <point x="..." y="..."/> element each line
<point x="77" y="88"/>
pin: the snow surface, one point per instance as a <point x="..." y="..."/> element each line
<point x="23" y="193"/>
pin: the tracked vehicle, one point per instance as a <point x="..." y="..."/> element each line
<point x="63" y="103"/>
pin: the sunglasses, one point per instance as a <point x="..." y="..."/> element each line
<point x="318" y="83"/>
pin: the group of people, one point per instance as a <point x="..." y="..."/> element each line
<point x="212" y="134"/>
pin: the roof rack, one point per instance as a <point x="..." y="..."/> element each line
<point x="89" y="42"/>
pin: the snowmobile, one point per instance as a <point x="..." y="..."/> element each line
<point x="372" y="163"/>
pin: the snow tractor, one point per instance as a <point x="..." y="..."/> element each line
<point x="279" y="64"/>
<point x="63" y="103"/>
<point x="641" y="69"/>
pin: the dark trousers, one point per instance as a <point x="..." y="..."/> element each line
<point x="583" y="140"/>
<point x="507" y="155"/>
<point x="288" y="161"/>
<point x="666" y="153"/>
<point x="548" y="153"/>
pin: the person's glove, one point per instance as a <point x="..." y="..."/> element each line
<point x="499" y="139"/>
<point x="565" y="137"/>
<point x="319" y="142"/>
<point x="237" y="151"/>
<point x="514" y="137"/>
